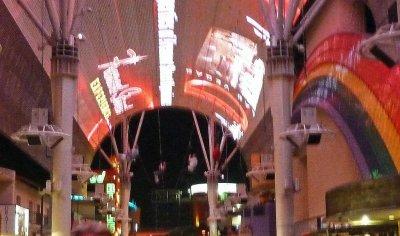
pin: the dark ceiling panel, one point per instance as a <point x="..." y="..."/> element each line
<point x="23" y="82"/>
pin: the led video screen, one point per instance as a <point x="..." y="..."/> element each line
<point x="205" y="56"/>
<point x="228" y="75"/>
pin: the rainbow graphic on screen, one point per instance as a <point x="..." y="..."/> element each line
<point x="361" y="95"/>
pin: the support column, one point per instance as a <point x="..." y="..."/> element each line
<point x="64" y="70"/>
<point x="280" y="70"/>
<point x="125" y="161"/>
<point x="212" y="193"/>
<point x="125" y="196"/>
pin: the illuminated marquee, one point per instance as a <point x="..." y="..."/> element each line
<point x="120" y="93"/>
<point x="166" y="41"/>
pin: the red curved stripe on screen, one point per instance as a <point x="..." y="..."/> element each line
<point x="192" y="89"/>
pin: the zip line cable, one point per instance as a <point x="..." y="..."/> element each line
<point x="159" y="134"/>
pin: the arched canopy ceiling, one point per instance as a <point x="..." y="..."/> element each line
<point x="139" y="55"/>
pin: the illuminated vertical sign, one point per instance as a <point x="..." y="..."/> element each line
<point x="110" y="190"/>
<point x="166" y="41"/>
<point x="101" y="99"/>
<point x="110" y="223"/>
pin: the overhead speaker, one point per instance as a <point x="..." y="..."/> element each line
<point x="314" y="138"/>
<point x="33" y="140"/>
<point x="270" y="176"/>
<point x="38" y="132"/>
<point x="314" y="135"/>
<point x="382" y="56"/>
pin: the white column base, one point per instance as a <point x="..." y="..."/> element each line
<point x="212" y="192"/>
<point x="64" y="100"/>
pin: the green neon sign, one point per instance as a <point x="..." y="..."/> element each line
<point x="110" y="223"/>
<point x="98" y="179"/>
<point x="110" y="190"/>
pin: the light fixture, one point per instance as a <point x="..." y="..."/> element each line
<point x="81" y="36"/>
<point x="308" y="131"/>
<point x="38" y="132"/>
<point x="391" y="217"/>
<point x="222" y="188"/>
<point x="365" y="220"/>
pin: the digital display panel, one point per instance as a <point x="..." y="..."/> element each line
<point x="118" y="63"/>
<point x="205" y="56"/>
<point x="229" y="75"/>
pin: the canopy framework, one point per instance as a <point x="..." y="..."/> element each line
<point x="125" y="158"/>
<point x="278" y="24"/>
<point x="279" y="16"/>
<point x="214" y="168"/>
<point x="383" y="44"/>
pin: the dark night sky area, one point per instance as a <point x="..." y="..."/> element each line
<point x="178" y="137"/>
